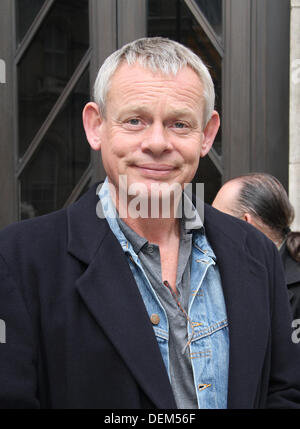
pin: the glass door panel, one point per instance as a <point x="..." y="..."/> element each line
<point x="61" y="159"/>
<point x="212" y="10"/>
<point x="26" y="11"/>
<point x="53" y="73"/>
<point x="48" y="64"/>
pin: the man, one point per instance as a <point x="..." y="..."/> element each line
<point x="106" y="308"/>
<point x="261" y="200"/>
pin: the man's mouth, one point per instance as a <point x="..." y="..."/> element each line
<point x="155" y="169"/>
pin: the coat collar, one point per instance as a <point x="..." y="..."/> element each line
<point x="113" y="298"/>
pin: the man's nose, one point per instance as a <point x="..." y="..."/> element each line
<point x="156" y="140"/>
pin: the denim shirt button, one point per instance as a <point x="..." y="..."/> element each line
<point x="155" y="319"/>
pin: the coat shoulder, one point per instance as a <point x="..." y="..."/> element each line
<point x="239" y="231"/>
<point x="33" y="236"/>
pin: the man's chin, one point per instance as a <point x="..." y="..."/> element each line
<point x="149" y="198"/>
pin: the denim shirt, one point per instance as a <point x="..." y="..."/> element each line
<point x="208" y="338"/>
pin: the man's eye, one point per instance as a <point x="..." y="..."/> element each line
<point x="133" y="124"/>
<point x="179" y="125"/>
<point x="134" y="121"/>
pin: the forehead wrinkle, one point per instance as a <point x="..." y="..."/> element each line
<point x="160" y="86"/>
<point x="127" y="74"/>
<point x="177" y="97"/>
<point x="151" y="90"/>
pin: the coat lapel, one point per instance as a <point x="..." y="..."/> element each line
<point x="243" y="281"/>
<point x="110" y="293"/>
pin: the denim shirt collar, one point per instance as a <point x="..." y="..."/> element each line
<point x="111" y="214"/>
<point x="195" y="225"/>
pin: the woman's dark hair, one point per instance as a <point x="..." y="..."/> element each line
<point x="264" y="196"/>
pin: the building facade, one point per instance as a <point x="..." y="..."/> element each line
<point x="51" y="50"/>
<point x="294" y="159"/>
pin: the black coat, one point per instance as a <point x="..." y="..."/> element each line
<point x="292" y="276"/>
<point x="78" y="334"/>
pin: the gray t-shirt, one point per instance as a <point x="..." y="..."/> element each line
<point x="175" y="305"/>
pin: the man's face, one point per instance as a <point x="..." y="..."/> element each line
<point x="152" y="131"/>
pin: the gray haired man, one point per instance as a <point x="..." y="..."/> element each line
<point x="120" y="309"/>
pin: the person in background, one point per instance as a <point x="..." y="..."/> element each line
<point x="261" y="200"/>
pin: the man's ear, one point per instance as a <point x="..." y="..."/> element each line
<point x="250" y="219"/>
<point x="92" y="119"/>
<point x="247" y="217"/>
<point x="209" y="133"/>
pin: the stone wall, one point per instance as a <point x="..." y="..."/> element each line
<point x="294" y="157"/>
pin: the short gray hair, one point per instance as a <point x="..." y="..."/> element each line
<point x="156" y="54"/>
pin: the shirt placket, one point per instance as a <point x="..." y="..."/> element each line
<point x="200" y="346"/>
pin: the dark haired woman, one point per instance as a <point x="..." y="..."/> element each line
<point x="260" y="199"/>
